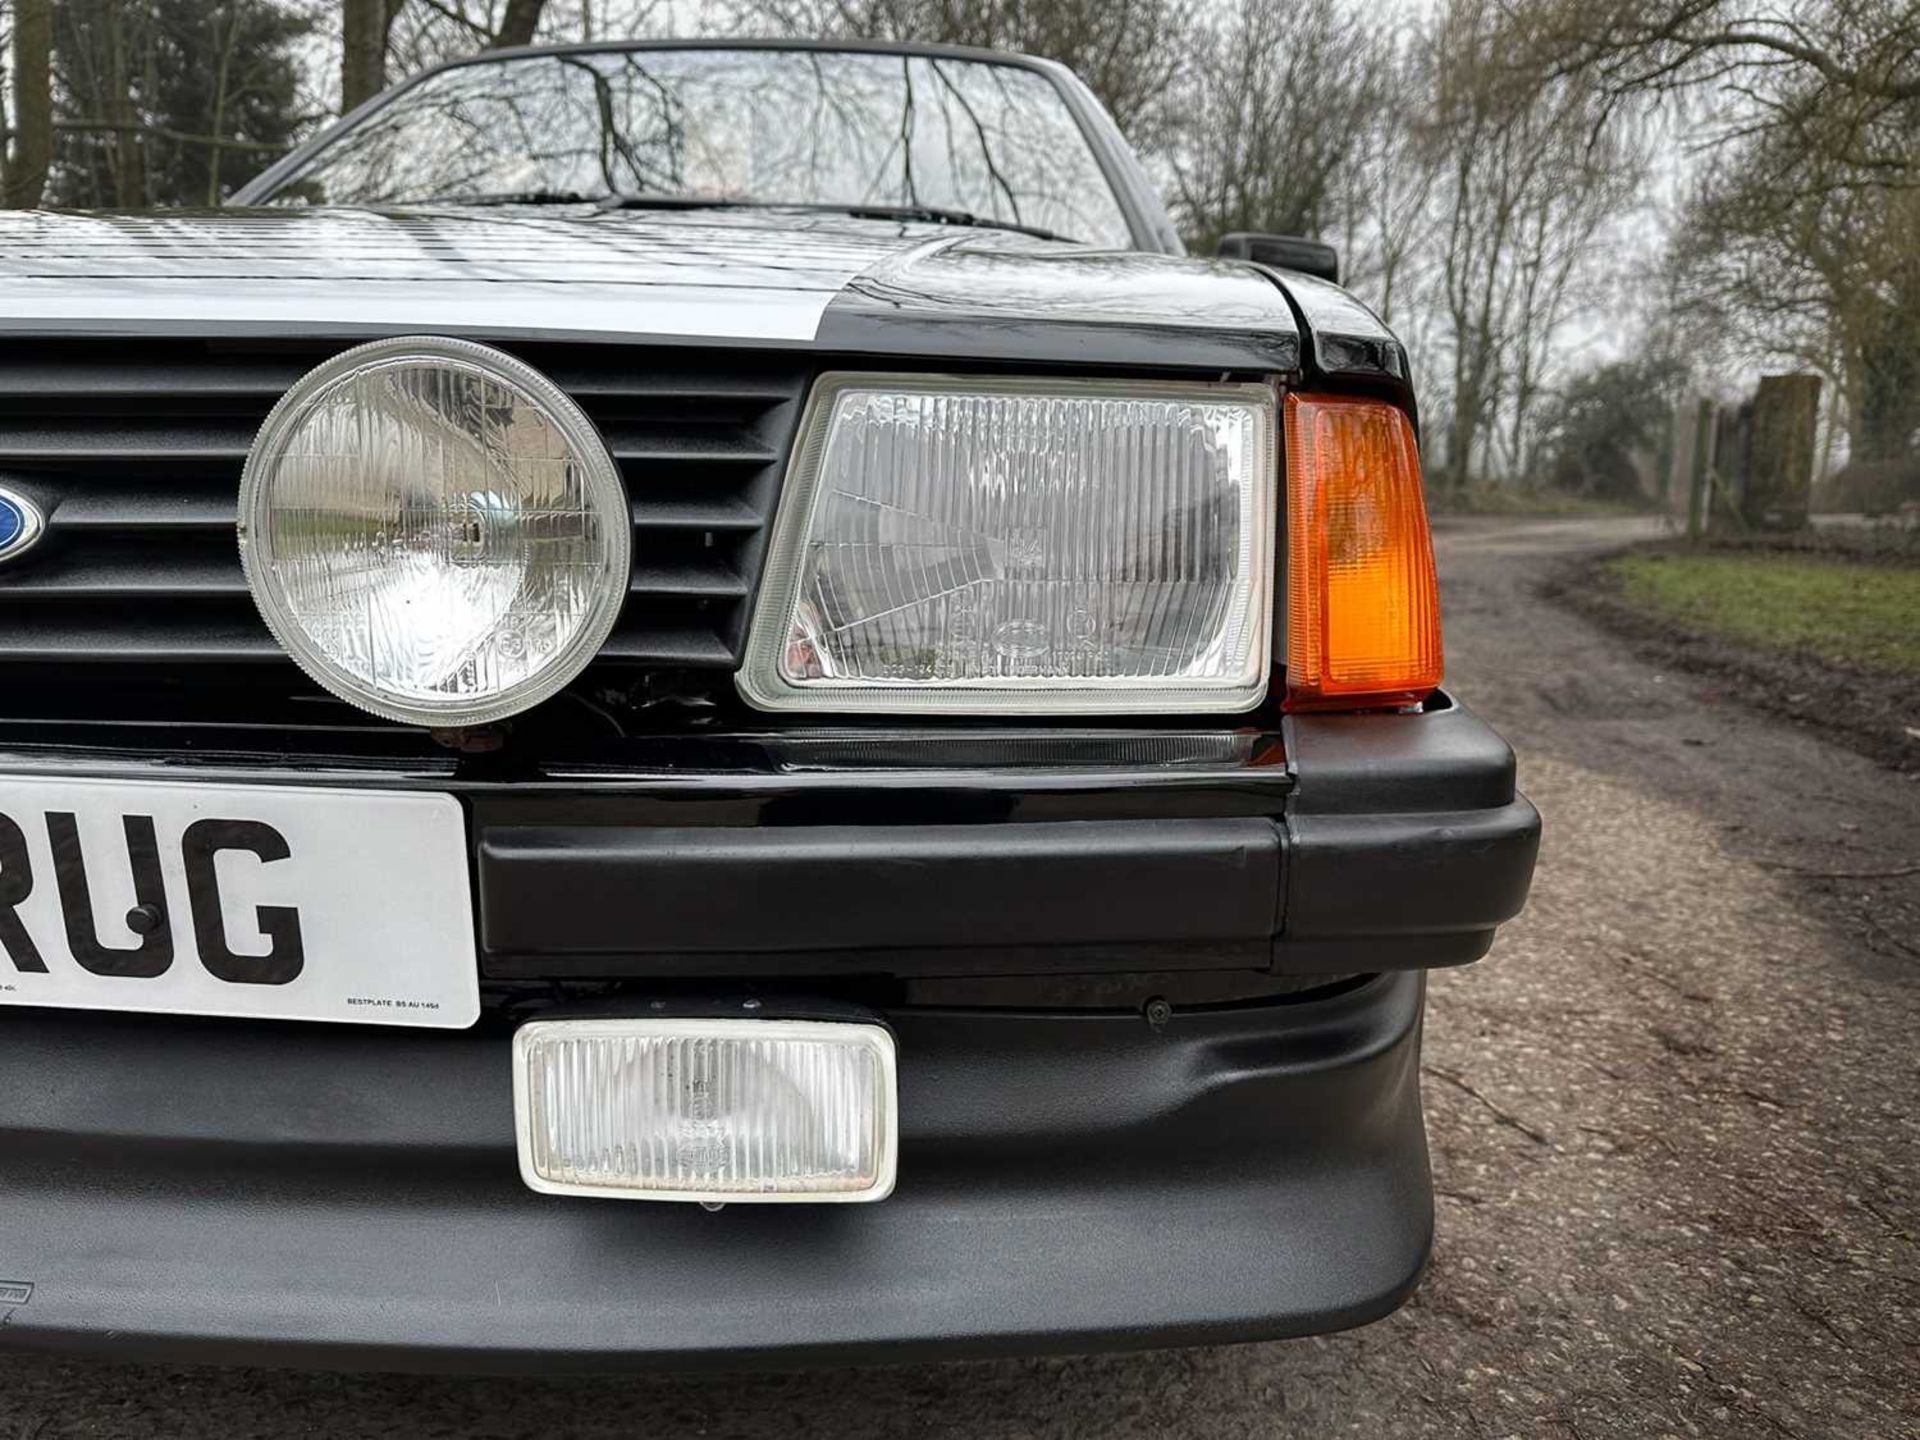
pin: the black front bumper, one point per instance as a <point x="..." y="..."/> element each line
<point x="202" y="1191"/>
<point x="1342" y="845"/>
<point x="1071" y="1174"/>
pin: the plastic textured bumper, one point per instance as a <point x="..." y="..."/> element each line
<point x="215" y="1191"/>
<point x="1071" y="1177"/>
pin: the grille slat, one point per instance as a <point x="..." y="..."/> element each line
<point x="137" y="576"/>
<point x="112" y="507"/>
<point x="155" y="442"/>
<point x="727" y="513"/>
<point x="700" y="580"/>
<point x="114" y="636"/>
<point x="252" y="379"/>
<point x="152" y="575"/>
<point x="134" y="450"/>
<point x="146" y="441"/>
<point x="58" y="637"/>
<point x="688" y="647"/>
<point x="84" y="381"/>
<point x="116" y="508"/>
<point x="641" y="449"/>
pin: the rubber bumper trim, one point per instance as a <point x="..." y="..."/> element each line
<point x="730" y="890"/>
<point x="1436" y="886"/>
<point x="1407" y="844"/>
<point x="193" y="1191"/>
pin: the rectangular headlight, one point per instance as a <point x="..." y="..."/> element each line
<point x="721" y="1111"/>
<point x="969" y="546"/>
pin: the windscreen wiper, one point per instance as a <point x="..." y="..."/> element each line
<point x="512" y="197"/>
<point x="932" y="214"/>
<point x="647" y="200"/>
<point x="940" y="215"/>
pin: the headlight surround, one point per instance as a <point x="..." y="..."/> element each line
<point x="434" y="531"/>
<point x="1021" y="546"/>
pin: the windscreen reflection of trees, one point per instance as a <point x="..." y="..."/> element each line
<point x="797" y="128"/>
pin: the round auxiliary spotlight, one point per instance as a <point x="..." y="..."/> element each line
<point x="434" y="531"/>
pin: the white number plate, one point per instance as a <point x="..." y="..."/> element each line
<point x="285" y="904"/>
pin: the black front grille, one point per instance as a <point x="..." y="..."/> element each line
<point x="134" y="450"/>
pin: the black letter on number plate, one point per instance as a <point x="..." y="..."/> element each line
<point x="16" y="883"/>
<point x="279" y="923"/>
<point x="154" y="954"/>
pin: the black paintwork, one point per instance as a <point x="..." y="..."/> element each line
<point x="1346" y="343"/>
<point x="887" y="288"/>
<point x="987" y="299"/>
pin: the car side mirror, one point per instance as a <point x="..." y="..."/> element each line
<point x="1283" y="252"/>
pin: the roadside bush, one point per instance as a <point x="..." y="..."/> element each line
<point x="1873" y="487"/>
<point x="1607" y="427"/>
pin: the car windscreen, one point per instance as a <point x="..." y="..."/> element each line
<point x="792" y="127"/>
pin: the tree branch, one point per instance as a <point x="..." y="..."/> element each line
<point x="163" y="132"/>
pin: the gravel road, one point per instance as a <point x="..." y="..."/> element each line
<point x="1674" y="1120"/>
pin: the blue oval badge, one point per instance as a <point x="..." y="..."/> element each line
<point x="20" y="524"/>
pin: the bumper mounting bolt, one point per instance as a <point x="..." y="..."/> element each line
<point x="1158" y="1012"/>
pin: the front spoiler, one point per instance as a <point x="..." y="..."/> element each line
<point x="209" y="1191"/>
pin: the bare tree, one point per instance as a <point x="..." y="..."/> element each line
<point x="517" y="24"/>
<point x="1799" y="239"/>
<point x="1279" y="102"/>
<point x="427" y="32"/>
<point x="1869" y="49"/>
<point x="1834" y="78"/>
<point x="102" y="55"/>
<point x="29" y="153"/>
<point x="365" y="30"/>
<point x="168" y="102"/>
<point x="1823" y="274"/>
<point x="1130" y="52"/>
<point x="1532" y="174"/>
<point x="1385" y="209"/>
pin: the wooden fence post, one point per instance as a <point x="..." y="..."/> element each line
<point x="1786" y="413"/>
<point x="1697" y="471"/>
<point x="1727" y="476"/>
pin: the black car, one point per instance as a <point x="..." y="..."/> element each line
<point x="785" y="644"/>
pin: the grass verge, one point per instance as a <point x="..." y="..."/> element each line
<point x="1826" y="609"/>
<point x="1510" y="500"/>
<point x="1829" y="643"/>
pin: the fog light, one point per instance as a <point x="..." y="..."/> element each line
<point x="720" y="1111"/>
